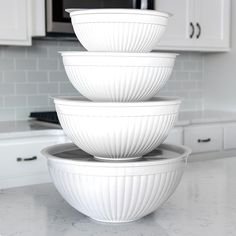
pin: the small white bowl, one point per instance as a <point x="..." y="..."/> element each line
<point x="118" y="30"/>
<point x="118" y="77"/>
<point x="115" y="192"/>
<point x="117" y="131"/>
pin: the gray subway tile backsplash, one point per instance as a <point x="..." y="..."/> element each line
<point x="30" y="76"/>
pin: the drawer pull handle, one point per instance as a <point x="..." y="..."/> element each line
<point x="19" y="159"/>
<point x="204" y="140"/>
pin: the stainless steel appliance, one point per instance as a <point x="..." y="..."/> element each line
<point x="58" y="21"/>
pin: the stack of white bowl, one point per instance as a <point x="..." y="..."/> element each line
<point x="118" y="120"/>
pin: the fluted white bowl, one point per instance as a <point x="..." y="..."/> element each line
<point x="117" y="130"/>
<point x="118" y="77"/>
<point x="118" y="30"/>
<point x="115" y="192"/>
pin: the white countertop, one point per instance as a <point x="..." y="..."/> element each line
<point x="185" y="118"/>
<point x="206" y="116"/>
<point x="10" y="129"/>
<point x="203" y="204"/>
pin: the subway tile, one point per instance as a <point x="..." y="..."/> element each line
<point x="58" y="76"/>
<point x="26" y="64"/>
<point x="26" y="89"/>
<point x="37" y="76"/>
<point x="14" y="76"/>
<point x="6" y="64"/>
<point x="196" y="94"/>
<point x="196" y="75"/>
<point x="61" y="65"/>
<point x="53" y="52"/>
<point x="7" y="114"/>
<point x="47" y="64"/>
<point x="189" y="85"/>
<point x="45" y="43"/>
<point x="15" y="101"/>
<point x="22" y="113"/>
<point x="1" y="101"/>
<point x="174" y="85"/>
<point x="14" y="52"/>
<point x="38" y="73"/>
<point x="48" y="88"/>
<point x="197" y="56"/>
<point x="7" y="89"/>
<point x="37" y="52"/>
<point x="1" y="51"/>
<point x="178" y="65"/>
<point x="181" y="75"/>
<point x="38" y="100"/>
<point x="68" y="89"/>
<point x="1" y="77"/>
<point x="188" y="105"/>
<point x="190" y="66"/>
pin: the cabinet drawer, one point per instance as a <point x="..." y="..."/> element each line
<point x="175" y="136"/>
<point x="22" y="157"/>
<point x="203" y="138"/>
<point x="230" y="136"/>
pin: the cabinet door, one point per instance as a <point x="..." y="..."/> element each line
<point x="212" y="21"/>
<point x="21" y="161"/>
<point x="180" y="26"/>
<point x="175" y="136"/>
<point x="230" y="136"/>
<point x="15" y="22"/>
<point x="205" y="138"/>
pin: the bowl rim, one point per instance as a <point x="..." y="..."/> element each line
<point x="80" y="101"/>
<point x="119" y="54"/>
<point x="51" y="152"/>
<point x="80" y="11"/>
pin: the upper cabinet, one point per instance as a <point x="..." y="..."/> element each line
<point x="196" y="25"/>
<point x="20" y="20"/>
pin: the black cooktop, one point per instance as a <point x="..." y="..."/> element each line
<point x="46" y="116"/>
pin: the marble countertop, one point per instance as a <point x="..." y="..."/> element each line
<point x="203" y="204"/>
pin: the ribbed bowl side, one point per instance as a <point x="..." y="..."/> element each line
<point x="119" y="37"/>
<point x="115" y="198"/>
<point x="118" y="84"/>
<point x="117" y="137"/>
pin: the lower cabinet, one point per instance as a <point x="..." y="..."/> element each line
<point x="21" y="162"/>
<point x="175" y="136"/>
<point x="230" y="136"/>
<point x="203" y="138"/>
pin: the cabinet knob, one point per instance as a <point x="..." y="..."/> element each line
<point x="19" y="159"/>
<point x="193" y="30"/>
<point x="199" y="30"/>
<point x="204" y="140"/>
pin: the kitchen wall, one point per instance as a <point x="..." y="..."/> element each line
<point x="29" y="76"/>
<point x="220" y="75"/>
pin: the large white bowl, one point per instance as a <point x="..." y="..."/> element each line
<point x="115" y="192"/>
<point x="117" y="130"/>
<point x="118" y="77"/>
<point x="118" y="30"/>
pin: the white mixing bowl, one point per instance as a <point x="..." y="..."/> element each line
<point x="118" y="30"/>
<point x="115" y="192"/>
<point x="118" y="77"/>
<point x="117" y="130"/>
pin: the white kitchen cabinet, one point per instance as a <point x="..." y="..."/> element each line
<point x="196" y="25"/>
<point x="21" y="162"/>
<point x="204" y="138"/>
<point x="175" y="136"/>
<point x="230" y="136"/>
<point x="20" y="20"/>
